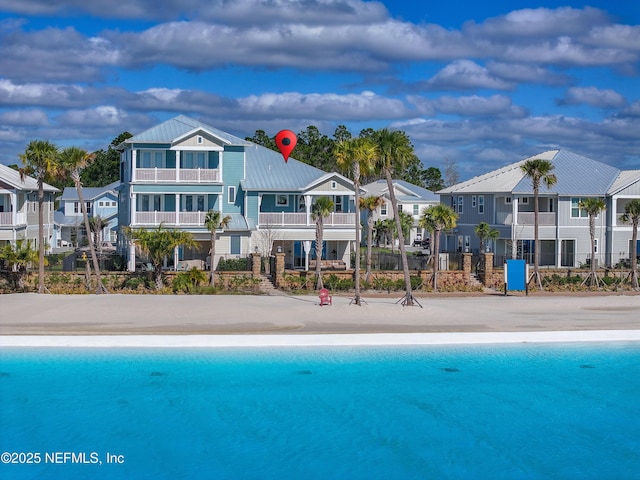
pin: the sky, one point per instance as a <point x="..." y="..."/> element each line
<point x="474" y="84"/>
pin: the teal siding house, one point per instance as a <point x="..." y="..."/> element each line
<point x="175" y="172"/>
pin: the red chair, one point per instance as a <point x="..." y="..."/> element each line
<point x="325" y="298"/>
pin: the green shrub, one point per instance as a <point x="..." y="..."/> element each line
<point x="233" y="265"/>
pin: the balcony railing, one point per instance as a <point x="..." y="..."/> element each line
<point x="544" y="218"/>
<point x="6" y="219"/>
<point x="186" y="175"/>
<point x="281" y="219"/>
<point x="169" y="218"/>
<point x="526" y="218"/>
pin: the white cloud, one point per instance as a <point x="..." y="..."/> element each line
<point x="31" y="117"/>
<point x="464" y="75"/>
<point x="594" y="97"/>
<point x="104" y="115"/>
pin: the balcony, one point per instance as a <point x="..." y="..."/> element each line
<point x="288" y="219"/>
<point x="526" y="218"/>
<point x="169" y="218"/>
<point x="177" y="175"/>
<point x="6" y="219"/>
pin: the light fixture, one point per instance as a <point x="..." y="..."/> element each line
<point x="279" y="249"/>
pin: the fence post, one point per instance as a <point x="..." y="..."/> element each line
<point x="255" y="265"/>
<point x="279" y="273"/>
<point x="488" y="267"/>
<point x="466" y="263"/>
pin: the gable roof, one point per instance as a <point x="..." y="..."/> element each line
<point x="576" y="174"/>
<point x="625" y="179"/>
<point x="176" y="128"/>
<point x="12" y="177"/>
<point x="89" y="193"/>
<point x="266" y="170"/>
<point x="411" y="192"/>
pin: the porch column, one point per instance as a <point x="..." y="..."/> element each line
<point x="133" y="208"/>
<point x="133" y="164"/>
<point x="514" y="223"/>
<point x="177" y="208"/>
<point x="177" y="165"/>
<point x="131" y="264"/>
<point x="307" y="251"/>
<point x="307" y="207"/>
<point x="13" y="198"/>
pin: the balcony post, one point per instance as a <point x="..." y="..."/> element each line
<point x="177" y="209"/>
<point x="133" y="165"/>
<point x="177" y="166"/>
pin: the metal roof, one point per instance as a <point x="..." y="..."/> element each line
<point x="624" y="180"/>
<point x="267" y="170"/>
<point x="576" y="175"/>
<point x="89" y="193"/>
<point x="12" y="177"/>
<point x="177" y="127"/>
<point x="413" y="193"/>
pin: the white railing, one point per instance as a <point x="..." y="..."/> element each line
<point x="6" y="218"/>
<point x="197" y="175"/>
<point x="192" y="218"/>
<point x="296" y="219"/>
<point x="544" y="218"/>
<point x="155" y="218"/>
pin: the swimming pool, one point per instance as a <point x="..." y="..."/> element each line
<point x="476" y="411"/>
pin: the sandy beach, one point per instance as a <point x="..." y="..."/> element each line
<point x="209" y="320"/>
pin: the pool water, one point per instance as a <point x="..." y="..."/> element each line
<point x="470" y="412"/>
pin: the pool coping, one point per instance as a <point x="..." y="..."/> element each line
<point x="304" y="340"/>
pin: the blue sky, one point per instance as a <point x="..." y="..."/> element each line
<point x="481" y="84"/>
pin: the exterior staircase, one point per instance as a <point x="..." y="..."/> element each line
<point x="474" y="281"/>
<point x="267" y="286"/>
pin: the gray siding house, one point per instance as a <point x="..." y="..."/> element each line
<point x="19" y="208"/>
<point x="504" y="199"/>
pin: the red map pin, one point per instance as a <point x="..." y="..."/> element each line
<point x="286" y="141"/>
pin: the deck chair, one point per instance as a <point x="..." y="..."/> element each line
<point x="325" y="298"/>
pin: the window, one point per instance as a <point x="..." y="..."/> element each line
<point x="231" y="194"/>
<point x="460" y="203"/>
<point x="338" y="203"/>
<point x="282" y="200"/>
<point x="199" y="139"/>
<point x="151" y="159"/>
<point x="480" y="203"/>
<point x="416" y="209"/>
<point x="576" y="211"/>
<point x="525" y="200"/>
<point x="473" y="201"/>
<point x="76" y="207"/>
<point x="235" y="244"/>
<point x="383" y="209"/>
<point x="595" y="245"/>
<point x="400" y="207"/>
<point x="194" y="160"/>
<point x="507" y="200"/>
<point x="101" y="204"/>
<point x="334" y="185"/>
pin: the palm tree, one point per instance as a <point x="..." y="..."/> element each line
<point x="593" y="206"/>
<point x="436" y="219"/>
<point x="632" y="214"/>
<point x="322" y="207"/>
<point x="18" y="257"/>
<point x="72" y="160"/>
<point x="370" y="204"/>
<point x="394" y="150"/>
<point x="484" y="232"/>
<point x="157" y="244"/>
<point x="214" y="221"/>
<point x="539" y="171"/>
<point x="357" y="155"/>
<point x="97" y="225"/>
<point x="40" y="160"/>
